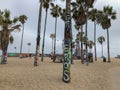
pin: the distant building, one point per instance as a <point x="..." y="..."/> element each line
<point x="118" y="56"/>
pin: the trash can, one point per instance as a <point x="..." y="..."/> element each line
<point x="104" y="58"/>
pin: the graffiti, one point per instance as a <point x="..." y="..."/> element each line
<point x="67" y="51"/>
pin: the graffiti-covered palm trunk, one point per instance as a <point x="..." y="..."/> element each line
<point x="4" y="57"/>
<point x="55" y="40"/>
<point x="108" y="46"/>
<point x="38" y="36"/>
<point x="43" y="44"/>
<point x="4" y="46"/>
<point x="67" y="45"/>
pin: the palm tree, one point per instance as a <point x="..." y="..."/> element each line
<point x="38" y="34"/>
<point x="101" y="39"/>
<point x="93" y="16"/>
<point x="52" y="36"/>
<point x="7" y="25"/>
<point x="108" y="15"/>
<point x="80" y="19"/>
<point x="22" y="19"/>
<point x="46" y="6"/>
<point x="62" y="13"/>
<point x="90" y="45"/>
<point x="55" y="13"/>
<point x="88" y="4"/>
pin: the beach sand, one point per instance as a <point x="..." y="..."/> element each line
<point x="20" y="74"/>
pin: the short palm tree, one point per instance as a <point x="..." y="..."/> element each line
<point x="108" y="15"/>
<point x="7" y="25"/>
<point x="90" y="45"/>
<point x="52" y="36"/>
<point x="101" y="39"/>
<point x="22" y="19"/>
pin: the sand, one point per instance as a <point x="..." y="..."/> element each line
<point x="20" y="74"/>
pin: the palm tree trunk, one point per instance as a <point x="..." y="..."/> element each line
<point x="87" y="61"/>
<point x="71" y="42"/>
<point x="102" y="49"/>
<point x="52" y="45"/>
<point x="44" y="35"/>
<point x="82" y="60"/>
<point x="21" y="42"/>
<point x="67" y="50"/>
<point x="38" y="36"/>
<point x="95" y="40"/>
<point x="108" y="46"/>
<point x="55" y="40"/>
<point x="4" y="57"/>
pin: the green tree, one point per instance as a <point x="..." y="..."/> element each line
<point x="22" y="19"/>
<point x="7" y="25"/>
<point x="108" y="15"/>
<point x="101" y="39"/>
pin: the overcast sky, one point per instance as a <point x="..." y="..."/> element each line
<point x="31" y="7"/>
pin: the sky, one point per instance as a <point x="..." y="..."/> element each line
<point x="31" y="9"/>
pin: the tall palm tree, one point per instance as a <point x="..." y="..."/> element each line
<point x="101" y="39"/>
<point x="46" y="6"/>
<point x="22" y="19"/>
<point x="7" y="25"/>
<point x="93" y="16"/>
<point x="80" y="19"/>
<point x="38" y="34"/>
<point x="87" y="5"/>
<point x="55" y="13"/>
<point x="52" y="36"/>
<point x="108" y="15"/>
